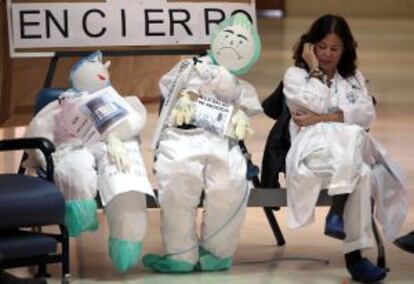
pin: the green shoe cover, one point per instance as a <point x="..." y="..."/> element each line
<point x="165" y="264"/>
<point x="210" y="262"/>
<point x="80" y="216"/>
<point x="124" y="254"/>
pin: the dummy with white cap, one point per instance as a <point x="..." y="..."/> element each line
<point x="81" y="169"/>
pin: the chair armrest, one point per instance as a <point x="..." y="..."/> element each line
<point x="43" y="144"/>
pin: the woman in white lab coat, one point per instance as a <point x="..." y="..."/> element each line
<point x="331" y="148"/>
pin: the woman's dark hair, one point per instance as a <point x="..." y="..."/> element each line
<point x="320" y="28"/>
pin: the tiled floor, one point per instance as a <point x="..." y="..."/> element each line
<point x="387" y="59"/>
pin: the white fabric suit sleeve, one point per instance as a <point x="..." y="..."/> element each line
<point x="304" y="92"/>
<point x="166" y="80"/>
<point x="135" y="121"/>
<point x="249" y="99"/>
<point x="356" y="105"/>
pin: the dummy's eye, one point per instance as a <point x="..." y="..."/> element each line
<point x="242" y="37"/>
<point x="228" y="33"/>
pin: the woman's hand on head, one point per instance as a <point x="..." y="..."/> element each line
<point x="309" y="56"/>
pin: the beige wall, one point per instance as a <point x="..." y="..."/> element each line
<point x="354" y="8"/>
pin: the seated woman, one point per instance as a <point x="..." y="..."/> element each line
<point x="331" y="111"/>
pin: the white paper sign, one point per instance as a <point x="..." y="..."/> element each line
<point x="117" y="182"/>
<point x="212" y="114"/>
<point x="117" y="22"/>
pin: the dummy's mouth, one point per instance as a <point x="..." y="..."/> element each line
<point x="232" y="49"/>
<point x="101" y="77"/>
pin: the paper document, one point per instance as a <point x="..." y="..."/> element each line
<point x="91" y="116"/>
<point x="212" y="114"/>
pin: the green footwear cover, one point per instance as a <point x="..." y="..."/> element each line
<point x="124" y="254"/>
<point x="80" y="216"/>
<point x="165" y="264"/>
<point x="210" y="262"/>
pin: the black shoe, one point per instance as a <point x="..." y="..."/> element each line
<point x="366" y="272"/>
<point x="406" y="242"/>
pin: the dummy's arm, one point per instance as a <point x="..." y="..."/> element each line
<point x="135" y="121"/>
<point x="239" y="127"/>
<point x="248" y="105"/>
<point x="128" y="129"/>
<point x="249" y="99"/>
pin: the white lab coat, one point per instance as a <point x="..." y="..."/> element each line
<point x="342" y="157"/>
<point x="189" y="161"/>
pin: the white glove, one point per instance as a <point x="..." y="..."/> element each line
<point x="239" y="126"/>
<point x="118" y="154"/>
<point x="184" y="108"/>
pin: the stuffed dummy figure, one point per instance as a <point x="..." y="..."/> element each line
<point x="205" y="114"/>
<point x="106" y="157"/>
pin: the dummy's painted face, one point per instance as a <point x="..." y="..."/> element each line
<point x="233" y="47"/>
<point x="90" y="74"/>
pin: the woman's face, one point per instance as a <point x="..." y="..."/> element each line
<point x="329" y="51"/>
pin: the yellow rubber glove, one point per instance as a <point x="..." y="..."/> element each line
<point x="118" y="154"/>
<point x="239" y="127"/>
<point x="184" y="108"/>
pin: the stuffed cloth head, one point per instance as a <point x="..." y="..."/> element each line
<point x="90" y="74"/>
<point x="235" y="44"/>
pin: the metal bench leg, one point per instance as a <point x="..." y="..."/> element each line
<point x="271" y="218"/>
<point x="380" y="244"/>
<point x="42" y="271"/>
<point x="65" y="255"/>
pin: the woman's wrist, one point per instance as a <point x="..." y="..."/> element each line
<point x="332" y="117"/>
<point x="317" y="73"/>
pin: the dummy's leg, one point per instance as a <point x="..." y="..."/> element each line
<point x="358" y="228"/>
<point x="127" y="222"/>
<point x="125" y="207"/>
<point x="180" y="182"/>
<point x="225" y="207"/>
<point x="76" y="177"/>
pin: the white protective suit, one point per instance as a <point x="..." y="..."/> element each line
<point x="189" y="161"/>
<point x="342" y="157"/>
<point x="80" y="171"/>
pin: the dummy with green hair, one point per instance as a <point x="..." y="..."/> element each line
<point x="205" y="114"/>
<point x="235" y="44"/>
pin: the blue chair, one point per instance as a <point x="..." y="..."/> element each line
<point x="46" y="96"/>
<point x="32" y="202"/>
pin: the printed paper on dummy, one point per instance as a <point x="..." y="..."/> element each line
<point x="117" y="182"/>
<point x="91" y="116"/>
<point x="212" y="114"/>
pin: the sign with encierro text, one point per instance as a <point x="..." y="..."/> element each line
<point x="49" y="25"/>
